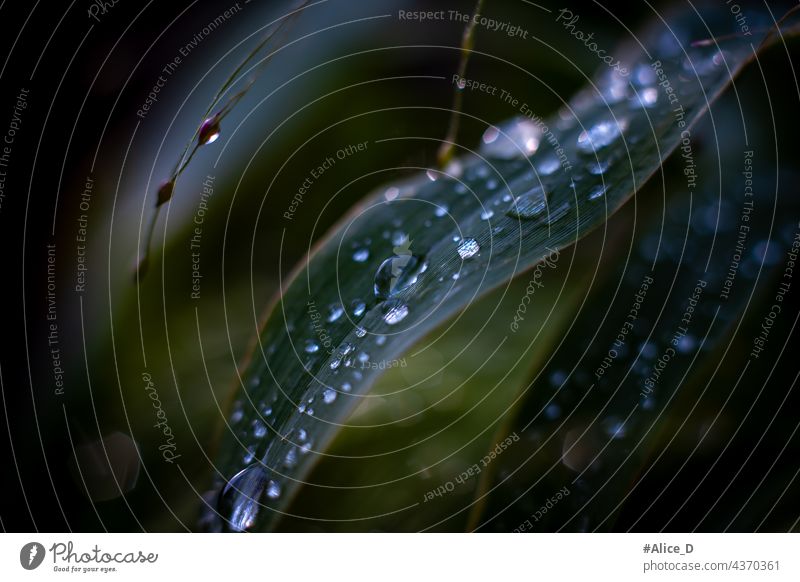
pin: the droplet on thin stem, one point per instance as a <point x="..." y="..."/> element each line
<point x="165" y="192"/>
<point x="209" y="130"/>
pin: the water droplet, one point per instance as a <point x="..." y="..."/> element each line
<point x="165" y="192"/>
<point x="242" y="497"/>
<point x="361" y="332"/>
<point x="335" y="312"/>
<point x="646" y="98"/>
<point x="391" y="193"/>
<point x="361" y="255"/>
<point x="600" y="135"/>
<point x="528" y="205"/>
<point x="329" y="396"/>
<point x="396" y="314"/>
<point x="399" y="238"/>
<point x="552" y="412"/>
<point x="548" y="166"/>
<point x="335" y="363"/>
<point x="399" y="272"/>
<point x="557" y="378"/>
<point x="686" y="344"/>
<point x="599" y="167"/>
<point x="644" y="75"/>
<point x="521" y="138"/>
<point x="468" y="248"/>
<point x="490" y="135"/>
<point x="346" y="387"/>
<point x="487" y="214"/>
<point x="703" y="65"/>
<point x="433" y="175"/>
<point x="441" y="210"/>
<point x="311" y="347"/>
<point x="359" y="307"/>
<point x="766" y="252"/>
<point x="614" y="87"/>
<point x="290" y="460"/>
<point x="648" y="350"/>
<point x="259" y="429"/>
<point x="597" y="192"/>
<point x="249" y="456"/>
<point x="209" y="131"/>
<point x="273" y="490"/>
<point x="380" y="340"/>
<point x="454" y="169"/>
<point x="237" y="415"/>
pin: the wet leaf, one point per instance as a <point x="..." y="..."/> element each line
<point x="415" y="253"/>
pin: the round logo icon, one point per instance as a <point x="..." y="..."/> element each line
<point x="31" y="555"/>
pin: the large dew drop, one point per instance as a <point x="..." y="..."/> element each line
<point x="243" y="496"/>
<point x="529" y="205"/>
<point x="398" y="273"/>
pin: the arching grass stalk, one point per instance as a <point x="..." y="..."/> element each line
<point x="447" y="149"/>
<point x="209" y="129"/>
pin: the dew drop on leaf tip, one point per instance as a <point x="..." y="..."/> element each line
<point x="241" y="498"/>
